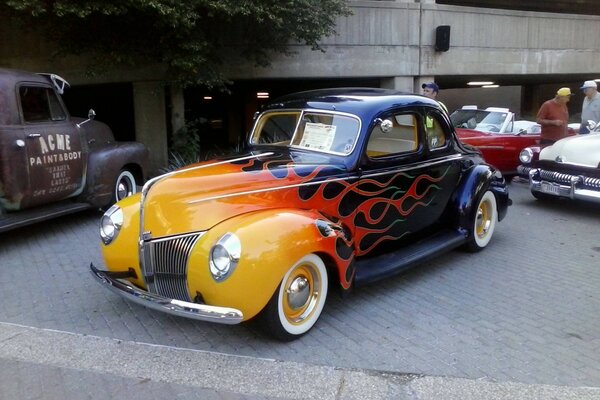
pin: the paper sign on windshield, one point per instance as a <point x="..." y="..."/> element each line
<point x="318" y="136"/>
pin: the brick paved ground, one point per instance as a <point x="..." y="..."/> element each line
<point x="525" y="309"/>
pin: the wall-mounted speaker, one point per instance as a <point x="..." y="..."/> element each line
<point x="442" y="38"/>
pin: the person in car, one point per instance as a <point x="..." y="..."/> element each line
<point x="553" y="117"/>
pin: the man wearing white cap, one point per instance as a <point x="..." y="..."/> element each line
<point x="591" y="105"/>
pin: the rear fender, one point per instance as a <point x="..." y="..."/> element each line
<point x="271" y="242"/>
<point x="474" y="183"/>
<point x="104" y="165"/>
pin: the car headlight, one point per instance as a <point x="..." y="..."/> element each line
<point x="526" y="155"/>
<point x="111" y="224"/>
<point x="224" y="256"/>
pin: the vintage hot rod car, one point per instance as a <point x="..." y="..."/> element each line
<point x="52" y="164"/>
<point x="570" y="168"/>
<point x="338" y="187"/>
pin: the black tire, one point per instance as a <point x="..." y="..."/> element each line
<point x="483" y="222"/>
<point x="298" y="301"/>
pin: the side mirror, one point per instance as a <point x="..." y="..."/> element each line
<point x="385" y="125"/>
<point x="91" y="116"/>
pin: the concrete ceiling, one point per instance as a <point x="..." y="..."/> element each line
<point x="460" y="81"/>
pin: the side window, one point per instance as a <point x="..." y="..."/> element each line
<point x="436" y="137"/>
<point x="394" y="135"/>
<point x="40" y="104"/>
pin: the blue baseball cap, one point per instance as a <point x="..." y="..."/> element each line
<point x="431" y="85"/>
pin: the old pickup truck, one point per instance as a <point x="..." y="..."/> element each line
<point x="52" y="164"/>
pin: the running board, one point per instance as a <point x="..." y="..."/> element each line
<point x="17" y="219"/>
<point x="385" y="265"/>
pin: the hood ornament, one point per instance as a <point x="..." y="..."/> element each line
<point x="559" y="159"/>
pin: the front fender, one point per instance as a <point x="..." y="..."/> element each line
<point x="471" y="187"/>
<point x="272" y="241"/>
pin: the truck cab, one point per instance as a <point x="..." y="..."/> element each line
<point x="51" y="163"/>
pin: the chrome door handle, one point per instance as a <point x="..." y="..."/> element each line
<point x="33" y="135"/>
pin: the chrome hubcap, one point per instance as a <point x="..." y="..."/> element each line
<point x="123" y="190"/>
<point x="298" y="292"/>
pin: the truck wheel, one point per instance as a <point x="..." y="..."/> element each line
<point x="298" y="301"/>
<point x="125" y="185"/>
<point x="484" y="222"/>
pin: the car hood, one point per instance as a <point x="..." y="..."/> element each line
<point x="581" y="150"/>
<point x="202" y="195"/>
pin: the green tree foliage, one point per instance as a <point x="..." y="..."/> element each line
<point x="190" y="37"/>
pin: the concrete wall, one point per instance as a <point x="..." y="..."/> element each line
<point x="484" y="41"/>
<point x="396" y="38"/>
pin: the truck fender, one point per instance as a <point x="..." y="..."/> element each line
<point x="105" y="164"/>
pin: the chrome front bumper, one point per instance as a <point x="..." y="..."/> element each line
<point x="571" y="190"/>
<point x="202" y="312"/>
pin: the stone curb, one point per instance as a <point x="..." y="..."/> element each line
<point x="252" y="376"/>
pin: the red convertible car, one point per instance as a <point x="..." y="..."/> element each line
<point x="496" y="134"/>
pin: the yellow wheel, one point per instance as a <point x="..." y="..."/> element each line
<point x="484" y="222"/>
<point x="299" y="300"/>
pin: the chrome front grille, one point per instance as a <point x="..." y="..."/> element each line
<point x="165" y="265"/>
<point x="557" y="177"/>
<point x="566" y="179"/>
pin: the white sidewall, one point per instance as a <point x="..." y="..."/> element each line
<point x="125" y="175"/>
<point x="482" y="242"/>
<point x="310" y="321"/>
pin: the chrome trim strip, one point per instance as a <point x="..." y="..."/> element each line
<point x="490" y="147"/>
<point x="409" y="167"/>
<point x="225" y="196"/>
<point x="202" y="312"/>
<point x="417" y="166"/>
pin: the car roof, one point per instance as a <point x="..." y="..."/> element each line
<point x="355" y="100"/>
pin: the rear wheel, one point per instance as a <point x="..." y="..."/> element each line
<point x="297" y="303"/>
<point x="484" y="222"/>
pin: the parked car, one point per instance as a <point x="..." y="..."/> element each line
<point x="338" y="187"/>
<point x="496" y="133"/>
<point x="570" y="168"/>
<point x="52" y="164"/>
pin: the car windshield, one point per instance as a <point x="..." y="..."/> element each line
<point x="488" y="121"/>
<point x="326" y="132"/>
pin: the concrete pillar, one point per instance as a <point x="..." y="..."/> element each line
<point x="177" y="108"/>
<point x="400" y="83"/>
<point x="151" y="121"/>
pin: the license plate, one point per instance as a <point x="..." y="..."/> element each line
<point x="550" y="188"/>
